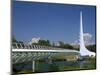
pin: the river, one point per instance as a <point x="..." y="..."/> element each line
<point x="55" y="66"/>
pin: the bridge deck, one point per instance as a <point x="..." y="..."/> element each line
<point x="43" y="50"/>
<point x="23" y="53"/>
<point x="20" y="47"/>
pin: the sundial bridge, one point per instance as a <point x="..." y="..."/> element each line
<point x="23" y="52"/>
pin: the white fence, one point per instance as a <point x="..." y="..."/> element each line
<point x="27" y="46"/>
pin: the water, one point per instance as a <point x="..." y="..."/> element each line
<point x="55" y="66"/>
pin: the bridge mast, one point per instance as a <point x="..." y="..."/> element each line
<point x="83" y="50"/>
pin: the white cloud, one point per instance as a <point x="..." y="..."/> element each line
<point x="87" y="36"/>
<point x="87" y="39"/>
<point x="34" y="40"/>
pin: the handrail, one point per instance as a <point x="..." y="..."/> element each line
<point x="28" y="46"/>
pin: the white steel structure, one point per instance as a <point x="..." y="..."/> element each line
<point x="83" y="50"/>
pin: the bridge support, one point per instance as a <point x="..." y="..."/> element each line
<point x="33" y="66"/>
<point x="49" y="60"/>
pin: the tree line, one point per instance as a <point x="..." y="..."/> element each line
<point x="61" y="44"/>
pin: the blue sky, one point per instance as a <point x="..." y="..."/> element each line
<point x="55" y="22"/>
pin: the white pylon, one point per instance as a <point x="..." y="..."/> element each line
<point x="83" y="50"/>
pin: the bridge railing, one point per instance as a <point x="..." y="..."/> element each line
<point x="28" y="46"/>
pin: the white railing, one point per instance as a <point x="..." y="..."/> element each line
<point x="27" y="46"/>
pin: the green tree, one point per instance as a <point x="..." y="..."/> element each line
<point x="53" y="44"/>
<point x="44" y="42"/>
<point x="66" y="46"/>
<point x="35" y="43"/>
<point x="48" y="43"/>
<point x="14" y="39"/>
<point x="61" y="44"/>
<point x="91" y="47"/>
